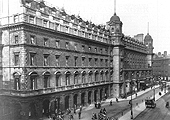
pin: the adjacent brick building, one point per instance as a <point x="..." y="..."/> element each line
<point x="161" y="66"/>
<point x="52" y="60"/>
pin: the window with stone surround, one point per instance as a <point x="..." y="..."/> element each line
<point x="83" y="61"/>
<point x="46" y="63"/>
<point x="32" y="58"/>
<point x="75" y="60"/>
<point x="32" y="39"/>
<point x="16" y="58"/>
<point x="31" y="19"/>
<point x="67" y="45"/>
<point x="45" y="41"/>
<point x="16" y="39"/>
<point x="67" y="60"/>
<point x="57" y="60"/>
<point x="57" y="43"/>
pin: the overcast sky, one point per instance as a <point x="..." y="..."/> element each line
<point x="135" y="15"/>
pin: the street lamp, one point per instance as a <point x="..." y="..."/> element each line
<point x="154" y="87"/>
<point x="131" y="107"/>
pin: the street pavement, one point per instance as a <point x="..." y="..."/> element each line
<point x="137" y="109"/>
<point x="88" y="111"/>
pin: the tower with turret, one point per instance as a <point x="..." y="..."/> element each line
<point x="116" y="36"/>
<point x="148" y="41"/>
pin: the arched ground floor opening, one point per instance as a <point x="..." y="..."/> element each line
<point x="67" y="99"/>
<point x="46" y="111"/>
<point x="89" y="97"/>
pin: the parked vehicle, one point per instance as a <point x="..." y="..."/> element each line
<point x="150" y="103"/>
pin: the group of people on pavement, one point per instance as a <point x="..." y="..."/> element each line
<point x="102" y="115"/>
<point x="79" y="112"/>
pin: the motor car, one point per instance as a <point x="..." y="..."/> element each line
<point x="150" y="103"/>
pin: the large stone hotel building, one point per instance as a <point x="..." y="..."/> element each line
<point x="52" y="60"/>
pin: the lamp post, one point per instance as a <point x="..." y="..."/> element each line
<point x="131" y="107"/>
<point x="153" y="88"/>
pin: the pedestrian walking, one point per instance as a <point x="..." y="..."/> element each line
<point x="111" y="103"/>
<point x="74" y="111"/>
<point x="117" y="100"/>
<point x="80" y="108"/>
<point x="104" y="111"/>
<point x="79" y="114"/>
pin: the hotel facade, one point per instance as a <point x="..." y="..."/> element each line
<point x="52" y="60"/>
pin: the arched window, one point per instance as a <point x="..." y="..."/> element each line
<point x="33" y="80"/>
<point x="17" y="81"/>
<point x="83" y="77"/>
<point x="96" y="76"/>
<point x="90" y="76"/>
<point x="76" y="77"/>
<point x="46" y="79"/>
<point x="67" y="79"/>
<point x="101" y="76"/>
<point x="58" y="78"/>
<point x="106" y="76"/>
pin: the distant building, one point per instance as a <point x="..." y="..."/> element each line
<point x="161" y="66"/>
<point x="139" y="37"/>
<point x="52" y="60"/>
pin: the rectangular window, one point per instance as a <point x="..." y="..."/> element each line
<point x="95" y="49"/>
<point x="57" y="59"/>
<point x="101" y="50"/>
<point x="89" y="49"/>
<point x="106" y="62"/>
<point x="16" y="39"/>
<point x="111" y="52"/>
<point x="31" y="19"/>
<point x="75" y="60"/>
<point x="96" y="60"/>
<point x="75" y="47"/>
<point x="16" y="58"/>
<point x="90" y="61"/>
<point x="101" y="62"/>
<point x="32" y="59"/>
<point x="83" y="48"/>
<point x="111" y="63"/>
<point x="57" y="44"/>
<point x="32" y="39"/>
<point x="106" y="51"/>
<point x="45" y="41"/>
<point x="45" y="23"/>
<point x="46" y="60"/>
<point x="67" y="59"/>
<point x="83" y="61"/>
<point x="67" y="45"/>
<point x="16" y="18"/>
